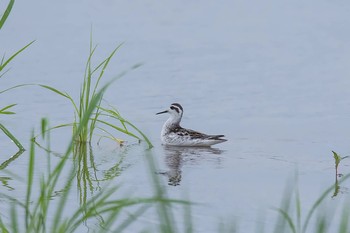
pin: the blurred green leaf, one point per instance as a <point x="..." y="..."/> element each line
<point x="4" y="63"/>
<point x="3" y="110"/>
<point x="6" y="13"/>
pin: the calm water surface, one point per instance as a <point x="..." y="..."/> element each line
<point x="273" y="77"/>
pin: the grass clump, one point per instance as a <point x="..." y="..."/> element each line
<point x="291" y="218"/>
<point x="88" y="91"/>
<point x="36" y="212"/>
<point x="40" y="215"/>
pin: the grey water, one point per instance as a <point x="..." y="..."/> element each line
<point x="272" y="76"/>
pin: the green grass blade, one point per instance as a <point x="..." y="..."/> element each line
<point x="298" y="208"/>
<point x="86" y="88"/>
<point x="30" y="181"/>
<point x="6" y="13"/>
<point x="3" y="110"/>
<point x="62" y="94"/>
<point x="322" y="224"/>
<point x="188" y="219"/>
<point x="289" y="220"/>
<point x="56" y="91"/>
<point x="318" y="202"/>
<point x="105" y="64"/>
<point x="46" y="130"/>
<point x="14" y="55"/>
<point x="90" y="209"/>
<point x="14" y="219"/>
<point x="4" y="72"/>
<point x="2" y="60"/>
<point x="10" y="160"/>
<point x="163" y="208"/>
<point x="3" y="228"/>
<point x="109" y="136"/>
<point x="63" y="198"/>
<point x="82" y="124"/>
<point x="142" y="134"/>
<point x="119" y="129"/>
<point x="7" y="113"/>
<point x="13" y="138"/>
<point x="17" y="86"/>
<point x="285" y="206"/>
<point x="131" y="219"/>
<point x="344" y="224"/>
<point x="115" y="114"/>
<point x="93" y="123"/>
<point x="43" y="127"/>
<point x="48" y="88"/>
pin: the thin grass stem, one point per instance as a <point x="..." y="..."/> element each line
<point x="13" y="138"/>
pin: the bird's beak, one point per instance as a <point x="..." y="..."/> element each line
<point x="162" y="112"/>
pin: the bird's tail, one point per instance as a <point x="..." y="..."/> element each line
<point x="217" y="137"/>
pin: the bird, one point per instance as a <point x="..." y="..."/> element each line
<point x="174" y="135"/>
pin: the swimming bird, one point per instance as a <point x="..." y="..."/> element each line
<point x="173" y="134"/>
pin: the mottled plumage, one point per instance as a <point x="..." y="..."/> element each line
<point x="173" y="134"/>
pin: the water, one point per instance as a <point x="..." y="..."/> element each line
<point x="272" y="76"/>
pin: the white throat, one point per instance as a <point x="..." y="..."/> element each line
<point x="172" y="122"/>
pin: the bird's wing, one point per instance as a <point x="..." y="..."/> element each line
<point x="195" y="134"/>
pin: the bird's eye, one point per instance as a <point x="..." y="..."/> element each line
<point x="175" y="108"/>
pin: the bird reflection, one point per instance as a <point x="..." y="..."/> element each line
<point x="176" y="157"/>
